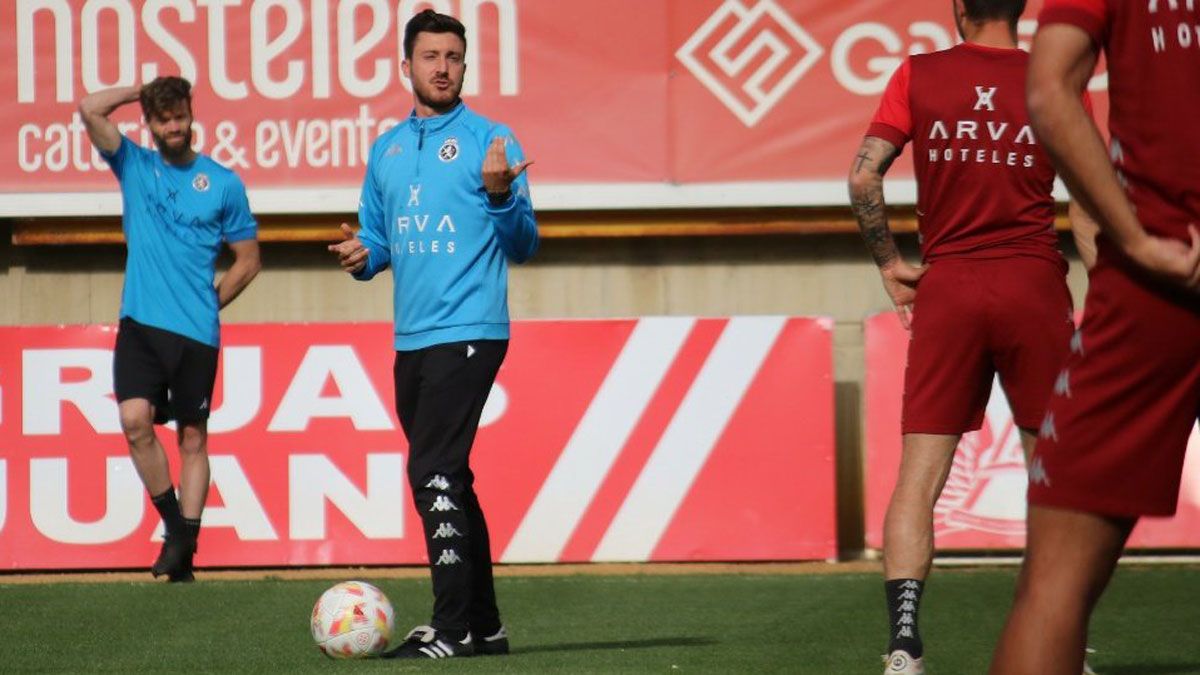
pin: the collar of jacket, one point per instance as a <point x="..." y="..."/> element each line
<point x="437" y="122"/>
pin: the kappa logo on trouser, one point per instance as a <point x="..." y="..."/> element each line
<point x="446" y="531"/>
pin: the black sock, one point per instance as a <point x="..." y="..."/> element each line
<point x="192" y="528"/>
<point x="168" y="509"/>
<point x="904" y="601"/>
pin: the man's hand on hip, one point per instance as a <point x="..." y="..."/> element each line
<point x="900" y="280"/>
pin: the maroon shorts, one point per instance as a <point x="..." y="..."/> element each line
<point x="1117" y="428"/>
<point x="975" y="318"/>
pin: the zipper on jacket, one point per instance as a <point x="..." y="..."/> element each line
<point x="420" y="144"/>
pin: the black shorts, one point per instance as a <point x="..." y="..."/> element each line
<point x="175" y="373"/>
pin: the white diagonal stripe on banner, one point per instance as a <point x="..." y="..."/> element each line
<point x="689" y="438"/>
<point x="598" y="439"/>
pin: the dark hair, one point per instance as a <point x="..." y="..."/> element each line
<point x="994" y="10"/>
<point x="164" y="94"/>
<point x="430" y="21"/>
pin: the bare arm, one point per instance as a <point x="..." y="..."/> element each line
<point x="900" y="279"/>
<point x="874" y="158"/>
<point x="1084" y="229"/>
<point x="246" y="264"/>
<point x="1060" y="64"/>
<point x="95" y="109"/>
<point x="1063" y="59"/>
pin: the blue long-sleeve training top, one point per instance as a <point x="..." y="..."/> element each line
<point x="424" y="212"/>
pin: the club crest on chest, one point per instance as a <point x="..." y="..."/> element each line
<point x="449" y="150"/>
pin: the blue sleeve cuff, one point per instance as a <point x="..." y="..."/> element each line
<point x="242" y="234"/>
<point x="377" y="260"/>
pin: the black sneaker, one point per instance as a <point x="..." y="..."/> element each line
<point x="423" y="642"/>
<point x="493" y="644"/>
<point x="175" y="560"/>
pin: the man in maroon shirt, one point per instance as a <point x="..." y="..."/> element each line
<point x="993" y="295"/>
<point x="1112" y="444"/>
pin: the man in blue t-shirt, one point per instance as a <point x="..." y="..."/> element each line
<point x="445" y="205"/>
<point x="178" y="207"/>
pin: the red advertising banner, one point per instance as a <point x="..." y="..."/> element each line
<point x="983" y="503"/>
<point x="602" y="440"/>
<point x="622" y="104"/>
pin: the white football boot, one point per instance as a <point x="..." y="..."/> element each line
<point x="900" y="662"/>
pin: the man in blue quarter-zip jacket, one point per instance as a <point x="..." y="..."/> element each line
<point x="445" y="204"/>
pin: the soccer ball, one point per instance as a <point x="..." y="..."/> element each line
<point x="352" y="620"/>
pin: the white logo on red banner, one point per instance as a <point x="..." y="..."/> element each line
<point x="764" y="35"/>
<point x="652" y="448"/>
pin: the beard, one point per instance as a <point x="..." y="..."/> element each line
<point x="171" y="152"/>
<point x="440" y="100"/>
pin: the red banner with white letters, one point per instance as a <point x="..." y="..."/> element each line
<point x="983" y="503"/>
<point x="643" y="97"/>
<point x="653" y="439"/>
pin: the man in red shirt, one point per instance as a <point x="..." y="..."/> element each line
<point x="1112" y="445"/>
<point x="993" y="295"/>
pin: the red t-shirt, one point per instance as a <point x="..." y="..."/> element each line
<point x="1153" y="52"/>
<point x="983" y="183"/>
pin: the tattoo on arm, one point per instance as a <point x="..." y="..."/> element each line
<point x="872" y="223"/>
<point x="869" y="159"/>
<point x="863" y="156"/>
<point x="886" y="162"/>
<point x="866" y="198"/>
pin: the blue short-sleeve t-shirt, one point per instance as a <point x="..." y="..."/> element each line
<point x="175" y="218"/>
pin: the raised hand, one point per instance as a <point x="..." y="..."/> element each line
<point x="352" y="255"/>
<point x="497" y="174"/>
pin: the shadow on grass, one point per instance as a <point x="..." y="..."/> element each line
<point x="1156" y="669"/>
<point x="618" y="644"/>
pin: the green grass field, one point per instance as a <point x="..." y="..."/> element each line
<point x="753" y="623"/>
